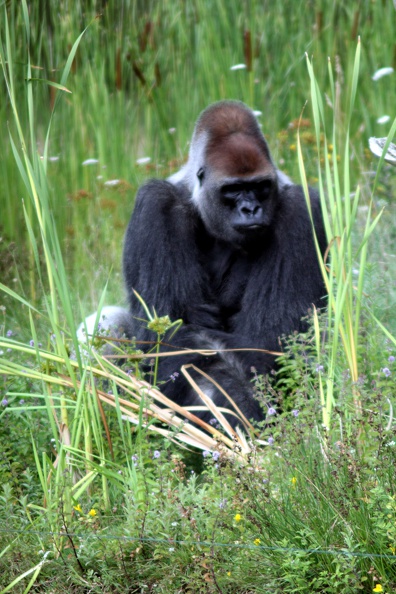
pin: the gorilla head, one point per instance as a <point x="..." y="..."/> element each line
<point x="230" y="174"/>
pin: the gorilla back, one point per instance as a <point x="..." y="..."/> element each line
<point x="226" y="245"/>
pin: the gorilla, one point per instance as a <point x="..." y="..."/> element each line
<point x="226" y="245"/>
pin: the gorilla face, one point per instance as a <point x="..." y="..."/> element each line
<point x="235" y="185"/>
<point x="238" y="211"/>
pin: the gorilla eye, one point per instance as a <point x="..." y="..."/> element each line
<point x="200" y="175"/>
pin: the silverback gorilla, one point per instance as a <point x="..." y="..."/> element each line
<point x="226" y="245"/>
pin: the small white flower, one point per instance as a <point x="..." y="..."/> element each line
<point x="174" y="524"/>
<point x="382" y="72"/>
<point x="53" y="159"/>
<point x="171" y="549"/>
<point x="143" y="160"/>
<point x="257" y="113"/>
<point x="112" y="182"/>
<point x="238" y="67"/>
<point x="90" y="162"/>
<point x="383" y="119"/>
<point x="172" y="130"/>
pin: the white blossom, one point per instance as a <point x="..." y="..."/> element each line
<point x="90" y="162"/>
<point x="143" y="160"/>
<point x="382" y="72"/>
<point x="238" y="67"/>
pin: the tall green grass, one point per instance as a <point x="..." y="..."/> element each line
<point x="145" y="69"/>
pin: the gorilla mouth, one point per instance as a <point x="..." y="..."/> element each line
<point x="249" y="227"/>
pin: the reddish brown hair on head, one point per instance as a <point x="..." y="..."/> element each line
<point x="235" y="144"/>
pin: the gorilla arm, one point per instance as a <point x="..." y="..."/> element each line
<point x="161" y="258"/>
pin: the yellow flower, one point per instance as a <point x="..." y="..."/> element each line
<point x="228" y="573"/>
<point x="257" y="541"/>
<point x="78" y="508"/>
<point x="393" y="550"/>
<point x="293" y="481"/>
<point x="378" y="588"/>
<point x="237" y="517"/>
<point x="93" y="513"/>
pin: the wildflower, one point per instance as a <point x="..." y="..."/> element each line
<point x="205" y="453"/>
<point x="270" y="440"/>
<point x="9" y="333"/>
<point x="4" y="402"/>
<point x="22" y="401"/>
<point x="391" y="359"/>
<point x="215" y="456"/>
<point x="222" y="503"/>
<point x="378" y="588"/>
<point x="174" y="524"/>
<point x="143" y="160"/>
<point x="319" y="368"/>
<point x="156" y="454"/>
<point x="238" y="67"/>
<point x="135" y="458"/>
<point x="271" y="411"/>
<point x="295" y="413"/>
<point x="293" y="481"/>
<point x="174" y="376"/>
<point x="78" y="508"/>
<point x="386" y="371"/>
<point x="92" y="513"/>
<point x="383" y="119"/>
<point x="213" y="421"/>
<point x="112" y="182"/>
<point x="237" y="517"/>
<point x="90" y="162"/>
<point x="31" y="342"/>
<point x="257" y="541"/>
<point x="171" y="549"/>
<point x="376" y="76"/>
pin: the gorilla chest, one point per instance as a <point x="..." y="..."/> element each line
<point x="227" y="273"/>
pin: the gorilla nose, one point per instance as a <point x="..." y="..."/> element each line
<point x="250" y="210"/>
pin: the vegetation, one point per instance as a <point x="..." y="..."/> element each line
<point x="101" y="489"/>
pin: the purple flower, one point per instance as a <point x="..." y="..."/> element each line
<point x="135" y="458"/>
<point x="270" y="440"/>
<point x="386" y="372"/>
<point x="222" y="503"/>
<point x="213" y="421"/>
<point x="205" y="453"/>
<point x="22" y="401"/>
<point x="295" y="413"/>
<point x="156" y="454"/>
<point x="4" y="402"/>
<point x="174" y="376"/>
<point x="215" y="456"/>
<point x="391" y="359"/>
<point x="9" y="333"/>
<point x="31" y="342"/>
<point x="319" y="368"/>
<point x="271" y="411"/>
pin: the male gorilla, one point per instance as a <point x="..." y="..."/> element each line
<point x="226" y="245"/>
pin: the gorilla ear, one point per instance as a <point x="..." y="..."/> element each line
<point x="200" y="175"/>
